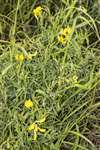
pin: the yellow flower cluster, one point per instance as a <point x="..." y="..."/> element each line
<point x="21" y="57"/>
<point x="28" y="104"/>
<point x="34" y="126"/>
<point x="37" y="11"/>
<point x="36" y="129"/>
<point x="64" y="35"/>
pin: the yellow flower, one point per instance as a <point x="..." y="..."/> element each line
<point x="36" y="129"/>
<point x="62" y="39"/>
<point x="37" y="11"/>
<point x="64" y="35"/>
<point x="31" y="127"/>
<point x="67" y="31"/>
<point x="28" y="103"/>
<point x="21" y="57"/>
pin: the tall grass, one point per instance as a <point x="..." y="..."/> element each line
<point x="63" y="81"/>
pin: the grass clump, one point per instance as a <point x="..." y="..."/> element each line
<point x="49" y="76"/>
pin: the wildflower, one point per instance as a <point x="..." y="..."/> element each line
<point x="67" y="31"/>
<point x="31" y="127"/>
<point x="64" y="35"/>
<point x="61" y="39"/>
<point x="36" y="129"/>
<point x="19" y="57"/>
<point x="37" y="11"/>
<point x="28" y="103"/>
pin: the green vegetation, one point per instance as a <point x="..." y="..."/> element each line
<point x="49" y="86"/>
